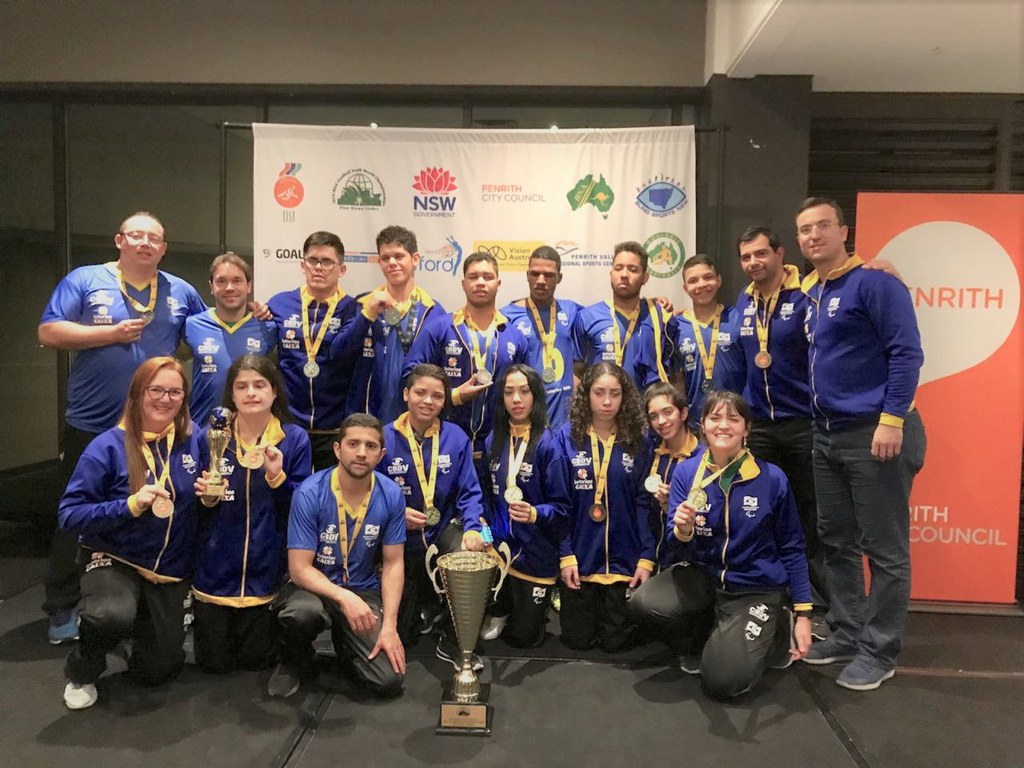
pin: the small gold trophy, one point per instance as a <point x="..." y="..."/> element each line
<point x="468" y="581"/>
<point x="218" y="436"/>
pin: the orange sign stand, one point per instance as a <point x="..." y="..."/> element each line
<point x="962" y="257"/>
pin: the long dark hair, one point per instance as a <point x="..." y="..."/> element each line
<point x="131" y="416"/>
<point x="265" y="368"/>
<point x="538" y="413"/>
<point x="630" y="422"/>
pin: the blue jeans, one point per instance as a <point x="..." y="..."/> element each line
<point x="864" y="508"/>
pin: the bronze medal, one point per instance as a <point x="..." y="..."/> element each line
<point x="598" y="513"/>
<point x="254" y="458"/>
<point x="763" y="359"/>
<point x="162" y="507"/>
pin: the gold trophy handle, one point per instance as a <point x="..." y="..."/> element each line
<point x="430" y="561"/>
<point x="504" y="556"/>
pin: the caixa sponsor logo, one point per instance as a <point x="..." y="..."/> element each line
<point x="447" y="258"/>
<point x="283" y="254"/>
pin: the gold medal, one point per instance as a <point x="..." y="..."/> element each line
<point x="697" y="498"/>
<point x="433" y="515"/>
<point x="162" y="507"/>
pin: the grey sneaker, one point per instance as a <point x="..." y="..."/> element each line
<point x="284" y="681"/>
<point x="828" y="651"/>
<point x="690" y="664"/>
<point x="863" y="674"/>
<point x="80" y="696"/>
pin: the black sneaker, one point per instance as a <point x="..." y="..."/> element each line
<point x="448" y="651"/>
<point x="284" y="681"/>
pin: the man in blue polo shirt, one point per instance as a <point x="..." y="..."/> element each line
<point x="865" y="357"/>
<point x="346" y="535"/>
<point x="113" y="316"/>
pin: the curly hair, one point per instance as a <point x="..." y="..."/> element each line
<point x="630" y="422"/>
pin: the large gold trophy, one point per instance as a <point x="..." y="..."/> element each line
<point x="218" y="436"/>
<point x="468" y="580"/>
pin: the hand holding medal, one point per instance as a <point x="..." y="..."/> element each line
<point x="414" y="519"/>
<point x="684" y="517"/>
<point x="156" y="498"/>
<point x="273" y="461"/>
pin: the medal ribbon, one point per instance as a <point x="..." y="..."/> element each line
<point x="707" y="359"/>
<point x="655" y="312"/>
<point x="345" y="512"/>
<point x="601" y="464"/>
<point x="137" y="306"/>
<point x="620" y="344"/>
<point x="516" y="456"/>
<point x="701" y="482"/>
<point x="165" y="469"/>
<point x="480" y="359"/>
<point x="547" y="337"/>
<point x="313" y="345"/>
<point x="427" y="487"/>
<point x="762" y="327"/>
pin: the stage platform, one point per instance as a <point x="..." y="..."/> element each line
<point x="956" y="700"/>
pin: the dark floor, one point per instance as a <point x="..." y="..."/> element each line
<point x="957" y="700"/>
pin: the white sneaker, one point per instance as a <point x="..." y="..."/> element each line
<point x="80" y="696"/>
<point x="492" y="627"/>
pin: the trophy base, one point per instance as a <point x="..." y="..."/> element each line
<point x="458" y="719"/>
<point x="214" y="491"/>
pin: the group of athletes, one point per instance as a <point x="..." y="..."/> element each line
<point x="703" y="477"/>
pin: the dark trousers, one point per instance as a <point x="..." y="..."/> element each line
<point x="228" y="638"/>
<point x="526" y="604"/>
<point x="62" y="573"/>
<point x="596" y="614"/>
<point x="302" y="616"/>
<point x="322" y="445"/>
<point x="865" y="509"/>
<point x="676" y="607"/>
<point x="751" y="630"/>
<point x="418" y="593"/>
<point x="117" y="603"/>
<point x="789" y="445"/>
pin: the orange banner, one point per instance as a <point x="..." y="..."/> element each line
<point x="962" y="257"/>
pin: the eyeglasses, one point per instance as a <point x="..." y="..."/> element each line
<point x="157" y="393"/>
<point x="138" y="238"/>
<point x="326" y="264"/>
<point x="821" y="226"/>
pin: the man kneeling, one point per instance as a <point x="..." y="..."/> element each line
<point x="345" y="522"/>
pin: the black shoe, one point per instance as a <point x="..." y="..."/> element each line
<point x="284" y="681"/>
<point x="448" y="651"/>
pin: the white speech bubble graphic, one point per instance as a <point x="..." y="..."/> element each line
<point x="965" y="289"/>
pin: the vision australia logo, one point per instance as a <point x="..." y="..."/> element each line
<point x="590" y="192"/>
<point x="358" y="189"/>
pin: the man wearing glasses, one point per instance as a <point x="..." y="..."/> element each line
<point x="316" y="343"/>
<point x="113" y="316"/>
<point x="865" y="357"/>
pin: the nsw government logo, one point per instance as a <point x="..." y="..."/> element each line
<point x="590" y="192"/>
<point x="436" y="186"/>
<point x="667" y="254"/>
<point x="358" y="189"/>
<point x="660" y="196"/>
<point x="288" y="190"/>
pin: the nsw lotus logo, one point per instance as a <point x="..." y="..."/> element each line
<point x="435" y="186"/>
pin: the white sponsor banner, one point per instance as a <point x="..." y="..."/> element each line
<point x="580" y="191"/>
